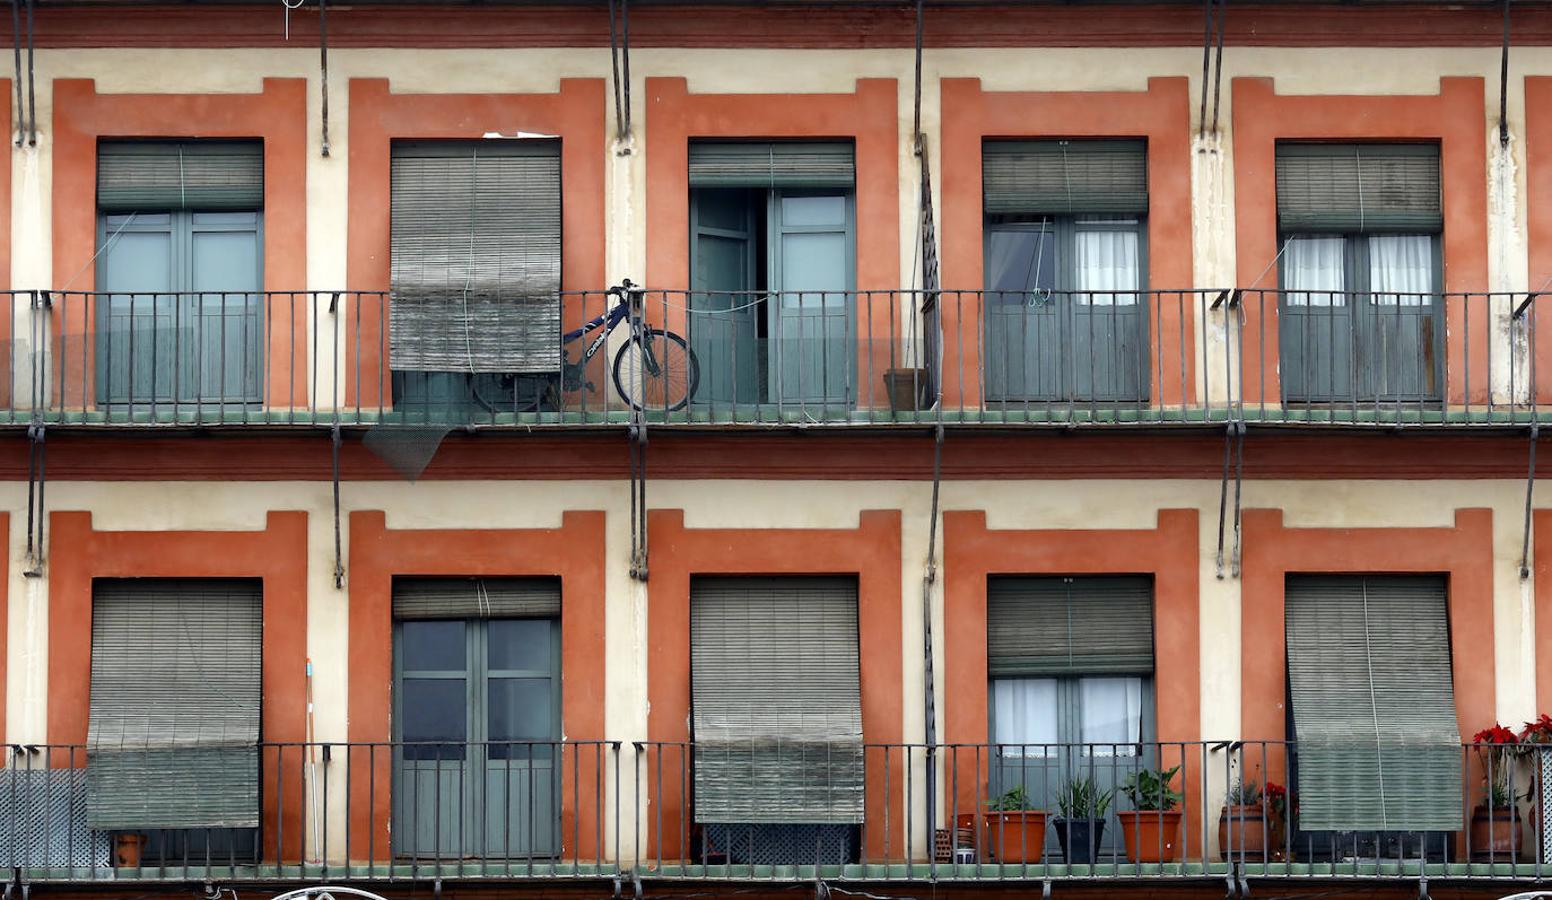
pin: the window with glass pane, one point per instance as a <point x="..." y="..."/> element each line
<point x="1064" y="260"/>
<point x="1360" y="316"/>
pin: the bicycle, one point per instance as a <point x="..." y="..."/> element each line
<point x="654" y="369"/>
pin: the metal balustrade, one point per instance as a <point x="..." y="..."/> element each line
<point x="797" y="359"/>
<point x="581" y="810"/>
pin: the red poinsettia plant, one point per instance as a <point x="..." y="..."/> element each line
<point x="1538" y="731"/>
<point x="1277" y="799"/>
<point x="1496" y="747"/>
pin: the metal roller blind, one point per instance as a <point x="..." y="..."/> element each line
<point x="777" y="700"/>
<point x="1064" y="177"/>
<point x="1373" y="703"/>
<point x="1358" y="187"/>
<point x="159" y="175"/>
<point x="1069" y="625"/>
<point x="740" y="164"/>
<point x="475" y="598"/>
<point x="175" y="698"/>
<point x="475" y="242"/>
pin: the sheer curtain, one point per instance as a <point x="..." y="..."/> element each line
<point x="1111" y="713"/>
<point x="1024" y="710"/>
<point x="1107" y="261"/>
<point x="1313" y="270"/>
<point x="1401" y="268"/>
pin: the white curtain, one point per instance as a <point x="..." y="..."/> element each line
<point x="1024" y="710"/>
<point x="1110" y="713"/>
<point x="1401" y="268"/>
<point x="1107" y="261"/>
<point x="1313" y="271"/>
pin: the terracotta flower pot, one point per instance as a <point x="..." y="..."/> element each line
<point x="1243" y="831"/>
<point x="906" y="388"/>
<point x="1014" y="836"/>
<point x="1152" y="836"/>
<point x="127" y="850"/>
<point x="1495" y="833"/>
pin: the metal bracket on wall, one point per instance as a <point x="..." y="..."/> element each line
<point x="619" y="59"/>
<point x="1530" y="490"/>
<point x="37" y="481"/>
<point x="1233" y="449"/>
<point x="323" y="60"/>
<point x="335" y="439"/>
<point x="26" y="117"/>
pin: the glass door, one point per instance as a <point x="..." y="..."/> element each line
<point x="811" y="251"/>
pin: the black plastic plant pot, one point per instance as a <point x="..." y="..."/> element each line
<point x="1080" y="839"/>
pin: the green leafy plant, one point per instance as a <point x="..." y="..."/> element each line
<point x="1150" y="789"/>
<point x="1013" y="800"/>
<point x="1243" y="793"/>
<point x="1081" y="798"/>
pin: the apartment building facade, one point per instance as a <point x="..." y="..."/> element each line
<point x="664" y="448"/>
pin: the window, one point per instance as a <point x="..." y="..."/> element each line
<point x="474" y="317"/>
<point x="1360" y="268"/>
<point x="180" y="238"/>
<point x="1070" y="661"/>
<point x="776" y="718"/>
<point x="175" y="695"/>
<point x="772" y="260"/>
<point x="1064" y="265"/>
<point x="476" y="715"/>
<point x="1372" y="704"/>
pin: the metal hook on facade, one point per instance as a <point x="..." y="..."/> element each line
<point x="1530" y="490"/>
<point x="339" y="556"/>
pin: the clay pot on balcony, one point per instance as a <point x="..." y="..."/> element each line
<point x="127" y="849"/>
<point x="906" y="388"/>
<point x="1243" y="831"/>
<point x="1152" y="836"/>
<point x="1495" y="833"/>
<point x="1015" y="836"/>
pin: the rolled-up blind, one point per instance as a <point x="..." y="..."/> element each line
<point x="475" y="598"/>
<point x="175" y="691"/>
<point x="1358" y="187"/>
<point x="475" y="243"/>
<point x="776" y="698"/>
<point x="1069" y="626"/>
<point x="774" y="164"/>
<point x="162" y="175"/>
<point x="1065" y="177"/>
<point x="1378" y="745"/>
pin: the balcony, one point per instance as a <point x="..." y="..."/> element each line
<point x="794" y="359"/>
<point x="599" y="810"/>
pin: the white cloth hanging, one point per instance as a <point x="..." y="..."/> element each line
<point x="1108" y="270"/>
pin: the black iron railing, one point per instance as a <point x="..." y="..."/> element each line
<point x="1003" y="812"/>
<point x="700" y="358"/>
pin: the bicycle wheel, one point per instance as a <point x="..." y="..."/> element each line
<point x="656" y="370"/>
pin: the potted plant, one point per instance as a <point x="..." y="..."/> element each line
<point x="1151" y="828"/>
<point x="1495" y="823"/>
<point x="1081" y="823"/>
<point x="1536" y="742"/>
<point x="1242" y="825"/>
<point x="128" y="846"/>
<point x="1014" y="828"/>
<point x="906" y="388"/>
<point x="1283" y="812"/>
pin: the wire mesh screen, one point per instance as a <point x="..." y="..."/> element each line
<point x="43" y="820"/>
<point x="776" y="845"/>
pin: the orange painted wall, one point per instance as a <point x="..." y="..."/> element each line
<point x="278" y="555"/>
<point x="1161" y="115"/>
<point x="1454" y="117"/>
<point x="575" y="553"/>
<point x="1272" y="551"/>
<point x="868" y="116"/>
<point x="377" y="116"/>
<point x="277" y="115"/>
<point x="871" y="551"/>
<point x="1169" y="552"/>
<point x="1538" y="220"/>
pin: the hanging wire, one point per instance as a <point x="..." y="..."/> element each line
<point x="32" y="95"/>
<point x="1218" y="65"/>
<point x="323" y="53"/>
<point x="1503" y="82"/>
<point x="916" y="130"/>
<point x="16" y="45"/>
<point x="614" y="62"/>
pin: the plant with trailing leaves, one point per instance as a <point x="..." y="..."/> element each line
<point x="1243" y="793"/>
<point x="1015" y="799"/>
<point x="1081" y="798"/>
<point x="1497" y="748"/>
<point x="1150" y="790"/>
